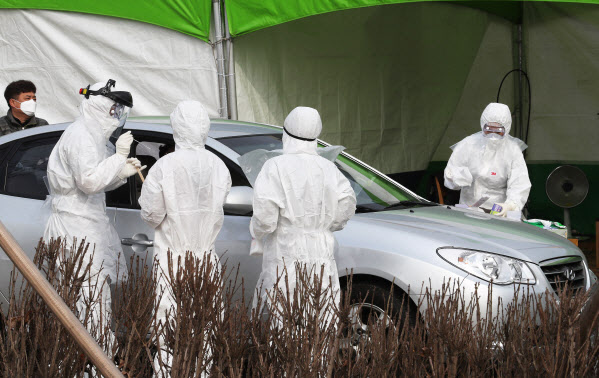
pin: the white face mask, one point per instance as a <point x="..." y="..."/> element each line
<point x="28" y="107"/>
<point x="493" y="136"/>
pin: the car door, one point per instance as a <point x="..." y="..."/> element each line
<point x="23" y="165"/>
<point x="22" y="194"/>
<point x="233" y="242"/>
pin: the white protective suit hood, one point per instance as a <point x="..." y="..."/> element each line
<point x="96" y="109"/>
<point x="190" y="123"/>
<point x="496" y="112"/>
<point x="302" y="126"/>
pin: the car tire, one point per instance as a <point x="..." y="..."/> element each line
<point x="370" y="301"/>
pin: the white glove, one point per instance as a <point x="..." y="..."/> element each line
<point x="136" y="163"/>
<point x="130" y="168"/>
<point x="507" y="206"/>
<point x="123" y="144"/>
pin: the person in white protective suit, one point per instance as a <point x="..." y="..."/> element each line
<point x="183" y="197"/>
<point x="80" y="170"/>
<point x="300" y="199"/>
<point x="490" y="164"/>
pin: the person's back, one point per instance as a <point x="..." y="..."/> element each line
<point x="194" y="185"/>
<point x="299" y="200"/>
<point x="309" y="188"/>
<point x="182" y="198"/>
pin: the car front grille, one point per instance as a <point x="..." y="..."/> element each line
<point x="565" y="270"/>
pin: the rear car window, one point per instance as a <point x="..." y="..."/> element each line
<point x="25" y="171"/>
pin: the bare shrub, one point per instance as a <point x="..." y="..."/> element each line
<point x="307" y="332"/>
<point x="34" y="343"/>
<point x="196" y="288"/>
<point x="133" y="314"/>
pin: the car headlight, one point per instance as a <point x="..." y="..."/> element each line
<point x="498" y="269"/>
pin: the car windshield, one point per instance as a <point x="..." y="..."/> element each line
<point x="373" y="191"/>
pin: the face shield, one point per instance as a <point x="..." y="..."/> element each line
<point x="123" y="102"/>
<point x="119" y="112"/>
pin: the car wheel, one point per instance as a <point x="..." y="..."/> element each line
<point x="369" y="305"/>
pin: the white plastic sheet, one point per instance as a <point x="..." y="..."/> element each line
<point x="251" y="163"/>
<point x="64" y="51"/>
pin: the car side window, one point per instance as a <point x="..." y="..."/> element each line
<point x="3" y="164"/>
<point x="148" y="152"/>
<point x="237" y="176"/>
<point x="149" y="147"/>
<point x="25" y="170"/>
<point x="4" y="149"/>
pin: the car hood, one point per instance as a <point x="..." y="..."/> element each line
<point x="448" y="226"/>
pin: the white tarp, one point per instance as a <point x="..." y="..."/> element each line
<point x="63" y="51"/>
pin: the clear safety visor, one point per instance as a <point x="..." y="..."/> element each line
<point x="494" y="129"/>
<point x="120" y="111"/>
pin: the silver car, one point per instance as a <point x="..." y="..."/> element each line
<point x="395" y="238"/>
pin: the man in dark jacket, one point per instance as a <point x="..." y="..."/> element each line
<point x="20" y="97"/>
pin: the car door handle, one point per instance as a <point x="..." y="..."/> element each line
<point x="131" y="241"/>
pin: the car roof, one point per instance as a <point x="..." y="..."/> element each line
<point x="219" y="128"/>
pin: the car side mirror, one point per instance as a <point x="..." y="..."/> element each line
<point x="239" y="200"/>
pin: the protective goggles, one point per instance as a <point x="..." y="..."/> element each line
<point x="494" y="129"/>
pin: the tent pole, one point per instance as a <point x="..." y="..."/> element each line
<point x="520" y="94"/>
<point x="231" y="85"/>
<point x="220" y="59"/>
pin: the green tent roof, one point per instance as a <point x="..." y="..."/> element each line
<point x="186" y="16"/>
<point x="246" y="16"/>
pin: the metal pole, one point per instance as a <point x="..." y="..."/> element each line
<point x="568" y="222"/>
<point x="70" y="322"/>
<point x="220" y="58"/>
<point x="520" y="95"/>
<point x="231" y="85"/>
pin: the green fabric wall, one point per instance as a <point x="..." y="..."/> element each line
<point x="387" y="80"/>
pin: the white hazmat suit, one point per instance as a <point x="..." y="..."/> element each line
<point x="80" y="171"/>
<point x="490" y="166"/>
<point x="183" y="196"/>
<point x="300" y="199"/>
